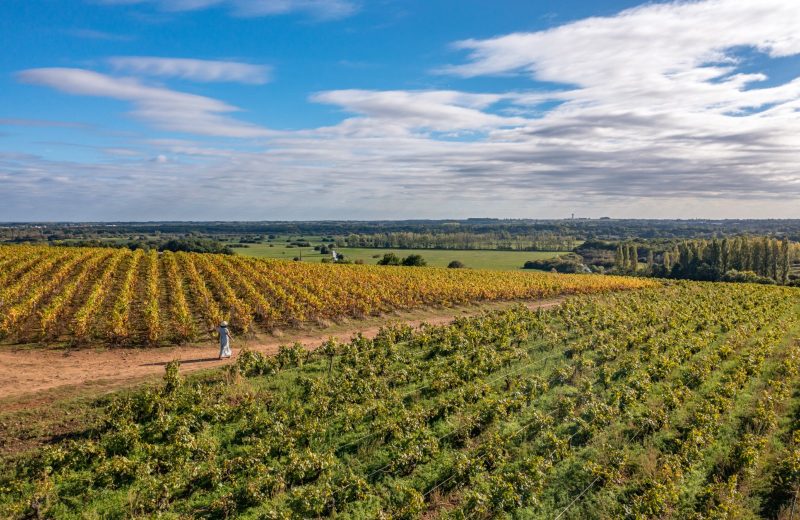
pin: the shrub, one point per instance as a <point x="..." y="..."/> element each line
<point x="414" y="261"/>
<point x="559" y="264"/>
<point x="195" y="245"/>
<point x="455" y="264"/>
<point x="746" y="277"/>
<point x="389" y="259"/>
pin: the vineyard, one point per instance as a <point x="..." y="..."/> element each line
<point x="131" y="297"/>
<point x="680" y="401"/>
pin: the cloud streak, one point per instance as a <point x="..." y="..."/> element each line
<point x="166" y="109"/>
<point x="443" y="110"/>
<point x="192" y="69"/>
<point x="676" y="56"/>
<point x="93" y="34"/>
<point x="319" y="9"/>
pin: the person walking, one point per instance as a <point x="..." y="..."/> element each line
<point x="225" y="338"/>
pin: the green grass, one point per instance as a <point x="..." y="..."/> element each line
<point x="475" y="259"/>
<point x="277" y="248"/>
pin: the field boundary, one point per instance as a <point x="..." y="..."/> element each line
<point x="34" y="377"/>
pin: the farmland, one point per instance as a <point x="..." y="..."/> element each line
<point x="123" y="297"/>
<point x="676" y="401"/>
<point x="476" y="259"/>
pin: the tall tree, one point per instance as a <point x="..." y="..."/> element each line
<point x="633" y="258"/>
<point x="725" y="255"/>
<point x="619" y="259"/>
<point x="753" y="255"/>
<point x="785" y="261"/>
<point x="738" y="261"/>
<point x="714" y="254"/>
<point x="685" y="257"/>
<point x="766" y="256"/>
<point x="775" y="259"/>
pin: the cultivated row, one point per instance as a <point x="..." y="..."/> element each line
<point x="137" y="297"/>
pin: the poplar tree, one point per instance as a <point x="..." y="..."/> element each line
<point x="749" y="255"/>
<point x="775" y="259"/>
<point x="766" y="253"/>
<point x="753" y="256"/>
<point x="633" y="257"/>
<point x="684" y="256"/>
<point x="715" y="254"/>
<point x="740" y="254"/>
<point x="724" y="255"/>
<point x="785" y="263"/>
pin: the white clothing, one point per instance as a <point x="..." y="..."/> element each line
<point x="224" y="342"/>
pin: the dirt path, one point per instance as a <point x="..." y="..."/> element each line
<point x="32" y="376"/>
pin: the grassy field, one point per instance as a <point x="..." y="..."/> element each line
<point x="496" y="260"/>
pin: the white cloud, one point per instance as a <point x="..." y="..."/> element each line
<point x="656" y="116"/>
<point x="675" y="56"/>
<point x="164" y="108"/>
<point x="320" y="9"/>
<point x="191" y="69"/>
<point x="442" y="110"/>
<point x="92" y="34"/>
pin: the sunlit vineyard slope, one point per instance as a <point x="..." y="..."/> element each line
<point x="133" y="297"/>
<point x="677" y="402"/>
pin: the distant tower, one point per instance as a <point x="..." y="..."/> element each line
<point x="573" y="216"/>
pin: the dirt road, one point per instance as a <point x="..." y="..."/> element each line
<point x="26" y="375"/>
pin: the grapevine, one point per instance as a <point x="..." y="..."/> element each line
<point x="209" y="309"/>
<point x="672" y="401"/>
<point x="86" y="314"/>
<point x="25" y="306"/>
<point x="151" y="310"/>
<point x="182" y="317"/>
<point x="121" y="292"/>
<point x="121" y="310"/>
<point x="48" y="316"/>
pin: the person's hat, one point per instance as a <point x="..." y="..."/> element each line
<point x="223" y="324"/>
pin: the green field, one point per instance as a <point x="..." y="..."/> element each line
<point x="476" y="259"/>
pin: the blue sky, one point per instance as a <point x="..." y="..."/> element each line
<point x="339" y="109"/>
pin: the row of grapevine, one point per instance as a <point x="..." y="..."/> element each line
<point x="239" y="312"/>
<point x="674" y="402"/>
<point x="151" y="309"/>
<point x="150" y="298"/>
<point x="88" y="312"/>
<point x="121" y="309"/>
<point x="182" y="323"/>
<point x="15" y="263"/>
<point x="50" y="315"/>
<point x="208" y="307"/>
<point x="20" y="285"/>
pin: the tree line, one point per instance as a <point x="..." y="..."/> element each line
<point x="503" y="240"/>
<point x="186" y="244"/>
<point x="744" y="259"/>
